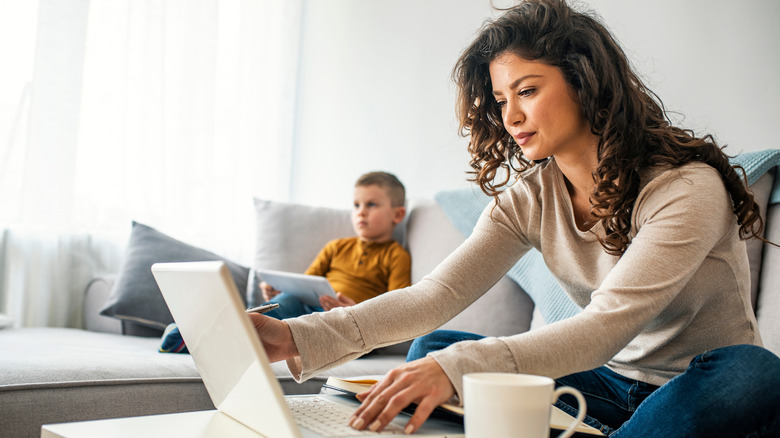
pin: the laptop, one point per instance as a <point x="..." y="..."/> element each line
<point x="210" y="314"/>
<point x="308" y="288"/>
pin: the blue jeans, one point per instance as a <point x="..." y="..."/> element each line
<point x="727" y="392"/>
<point x="290" y="307"/>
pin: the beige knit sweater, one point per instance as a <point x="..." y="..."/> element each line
<point x="681" y="288"/>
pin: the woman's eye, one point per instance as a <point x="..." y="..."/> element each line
<point x="501" y="103"/>
<point x="526" y="92"/>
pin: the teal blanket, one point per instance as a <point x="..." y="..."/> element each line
<point x="463" y="207"/>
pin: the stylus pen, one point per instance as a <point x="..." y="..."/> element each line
<point x="264" y="308"/>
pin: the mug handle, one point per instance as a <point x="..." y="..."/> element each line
<point x="581" y="408"/>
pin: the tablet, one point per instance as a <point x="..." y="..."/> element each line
<point x="308" y="288"/>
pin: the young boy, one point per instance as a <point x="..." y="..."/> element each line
<point x="360" y="267"/>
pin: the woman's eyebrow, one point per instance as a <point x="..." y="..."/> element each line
<point x="518" y="81"/>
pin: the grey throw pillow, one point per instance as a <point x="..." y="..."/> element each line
<point x="135" y="296"/>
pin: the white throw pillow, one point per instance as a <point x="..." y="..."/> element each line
<point x="289" y="237"/>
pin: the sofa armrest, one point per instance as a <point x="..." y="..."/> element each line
<point x="95" y="296"/>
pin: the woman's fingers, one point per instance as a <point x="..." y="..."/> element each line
<point x="366" y="399"/>
<point x="424" y="409"/>
<point x="421" y="381"/>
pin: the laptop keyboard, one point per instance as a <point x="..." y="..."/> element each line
<point x="329" y="418"/>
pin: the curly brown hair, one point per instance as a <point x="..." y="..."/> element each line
<point x="630" y="121"/>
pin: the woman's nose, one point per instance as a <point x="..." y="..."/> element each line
<point x="513" y="114"/>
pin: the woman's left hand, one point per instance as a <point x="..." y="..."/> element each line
<point x="421" y="381"/>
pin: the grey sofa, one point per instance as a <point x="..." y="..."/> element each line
<point x="50" y="375"/>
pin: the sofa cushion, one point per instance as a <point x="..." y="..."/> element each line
<point x="55" y="375"/>
<point x="135" y="296"/>
<point x="52" y="375"/>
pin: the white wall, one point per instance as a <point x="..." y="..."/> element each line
<point x="714" y="61"/>
<point x="375" y="89"/>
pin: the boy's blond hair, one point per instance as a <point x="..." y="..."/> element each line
<point x="395" y="190"/>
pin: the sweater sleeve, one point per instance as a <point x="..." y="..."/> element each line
<point x="328" y="339"/>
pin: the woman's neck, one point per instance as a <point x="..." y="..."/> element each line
<point x="578" y="174"/>
<point x="578" y="170"/>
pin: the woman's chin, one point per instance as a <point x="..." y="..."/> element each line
<point x="532" y="154"/>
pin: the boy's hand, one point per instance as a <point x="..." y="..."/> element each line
<point x="342" y="300"/>
<point x="268" y="291"/>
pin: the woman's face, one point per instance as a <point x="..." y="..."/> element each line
<point x="539" y="108"/>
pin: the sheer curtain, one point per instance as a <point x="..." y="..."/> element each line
<point x="172" y="113"/>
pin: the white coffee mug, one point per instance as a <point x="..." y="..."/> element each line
<point x="499" y="405"/>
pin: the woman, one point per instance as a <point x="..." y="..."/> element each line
<point x="641" y="222"/>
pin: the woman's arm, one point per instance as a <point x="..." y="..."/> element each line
<point x="326" y="340"/>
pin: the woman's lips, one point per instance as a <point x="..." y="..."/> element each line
<point x="522" y="138"/>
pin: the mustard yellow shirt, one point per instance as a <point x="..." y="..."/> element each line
<point x="363" y="270"/>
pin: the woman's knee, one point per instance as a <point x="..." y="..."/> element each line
<point x="743" y="362"/>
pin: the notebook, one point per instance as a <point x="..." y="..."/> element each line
<point x="210" y="314"/>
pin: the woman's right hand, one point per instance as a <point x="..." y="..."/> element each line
<point x="421" y="381"/>
<point x="276" y="337"/>
<point x="268" y="291"/>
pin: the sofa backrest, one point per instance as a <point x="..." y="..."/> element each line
<point x="767" y="303"/>
<point x="761" y="189"/>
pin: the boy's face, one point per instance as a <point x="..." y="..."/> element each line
<point x="373" y="216"/>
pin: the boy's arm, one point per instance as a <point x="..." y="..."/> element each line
<point x="400" y="269"/>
